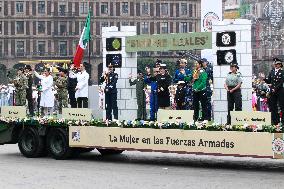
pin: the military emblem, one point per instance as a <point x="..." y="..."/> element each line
<point x="76" y="136"/>
<point x="207" y="21"/>
<point x="278" y="145"/>
<point x="226" y="39"/>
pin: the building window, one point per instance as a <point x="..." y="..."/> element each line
<point x="165" y="27"/>
<point x="0" y="27"/>
<point x="125" y="23"/>
<point x="20" y="27"/>
<point x="41" y="27"/>
<point x="84" y="8"/>
<point x="164" y="8"/>
<point x="19" y="6"/>
<point x="190" y="27"/>
<point x="63" y="48"/>
<point x="145" y="8"/>
<point x="183" y="9"/>
<point x="190" y="10"/>
<point x="104" y="24"/>
<point x="124" y="7"/>
<point x="62" y="9"/>
<point x="145" y="28"/>
<point x="183" y="27"/>
<point x="41" y="7"/>
<point x="82" y="25"/>
<point x="0" y="6"/>
<point x="104" y="8"/>
<point x="20" y="48"/>
<point x="41" y="48"/>
<point x="63" y="28"/>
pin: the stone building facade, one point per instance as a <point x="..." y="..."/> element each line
<point x="50" y="29"/>
<point x="267" y="28"/>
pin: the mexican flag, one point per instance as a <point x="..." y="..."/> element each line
<point x="84" y="39"/>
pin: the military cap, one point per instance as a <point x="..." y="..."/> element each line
<point x="139" y="72"/>
<point x="164" y="66"/>
<point x="21" y="69"/>
<point x="62" y="70"/>
<point x="203" y="60"/>
<point x="181" y="82"/>
<point x="28" y="67"/>
<point x="278" y="61"/>
<point x="234" y="64"/>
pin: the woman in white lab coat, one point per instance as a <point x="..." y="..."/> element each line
<point x="47" y="95"/>
<point x="82" y="91"/>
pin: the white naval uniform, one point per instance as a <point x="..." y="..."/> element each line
<point x="82" y="85"/>
<point x="47" y="95"/>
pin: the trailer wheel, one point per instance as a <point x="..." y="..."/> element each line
<point x="31" y="144"/>
<point x="104" y="152"/>
<point x="58" y="145"/>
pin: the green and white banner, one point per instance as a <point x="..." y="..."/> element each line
<point x="169" y="42"/>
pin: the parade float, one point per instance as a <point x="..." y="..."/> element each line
<point x="250" y="135"/>
<point x="77" y="133"/>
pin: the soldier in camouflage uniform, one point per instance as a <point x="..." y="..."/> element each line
<point x="140" y="94"/>
<point x="21" y="84"/>
<point x="61" y="83"/>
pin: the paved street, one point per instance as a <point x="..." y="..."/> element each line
<point x="137" y="170"/>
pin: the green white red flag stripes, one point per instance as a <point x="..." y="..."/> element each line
<point x="83" y="42"/>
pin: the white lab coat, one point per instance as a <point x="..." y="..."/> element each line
<point x="47" y="95"/>
<point x="82" y="85"/>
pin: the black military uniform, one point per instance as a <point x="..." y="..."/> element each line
<point x="180" y="96"/>
<point x="163" y="81"/>
<point x="208" y="69"/>
<point x="29" y="89"/>
<point x="276" y="80"/>
<point x="110" y="94"/>
<point x="72" y="83"/>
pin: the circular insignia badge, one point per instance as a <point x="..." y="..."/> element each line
<point x="278" y="145"/>
<point x="207" y="21"/>
<point x="229" y="57"/>
<point x="226" y="39"/>
<point x="116" y="44"/>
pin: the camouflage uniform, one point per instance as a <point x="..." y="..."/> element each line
<point x="21" y="84"/>
<point x="141" y="97"/>
<point x="62" y="92"/>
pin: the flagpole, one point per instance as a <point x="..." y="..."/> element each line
<point x="90" y="9"/>
<point x="90" y="52"/>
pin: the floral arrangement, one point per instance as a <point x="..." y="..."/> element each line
<point x="50" y="121"/>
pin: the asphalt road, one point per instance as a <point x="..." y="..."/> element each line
<point x="137" y="170"/>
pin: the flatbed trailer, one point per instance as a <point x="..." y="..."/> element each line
<point x="62" y="142"/>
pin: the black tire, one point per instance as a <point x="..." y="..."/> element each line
<point x="58" y="144"/>
<point x="105" y="152"/>
<point x="31" y="144"/>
